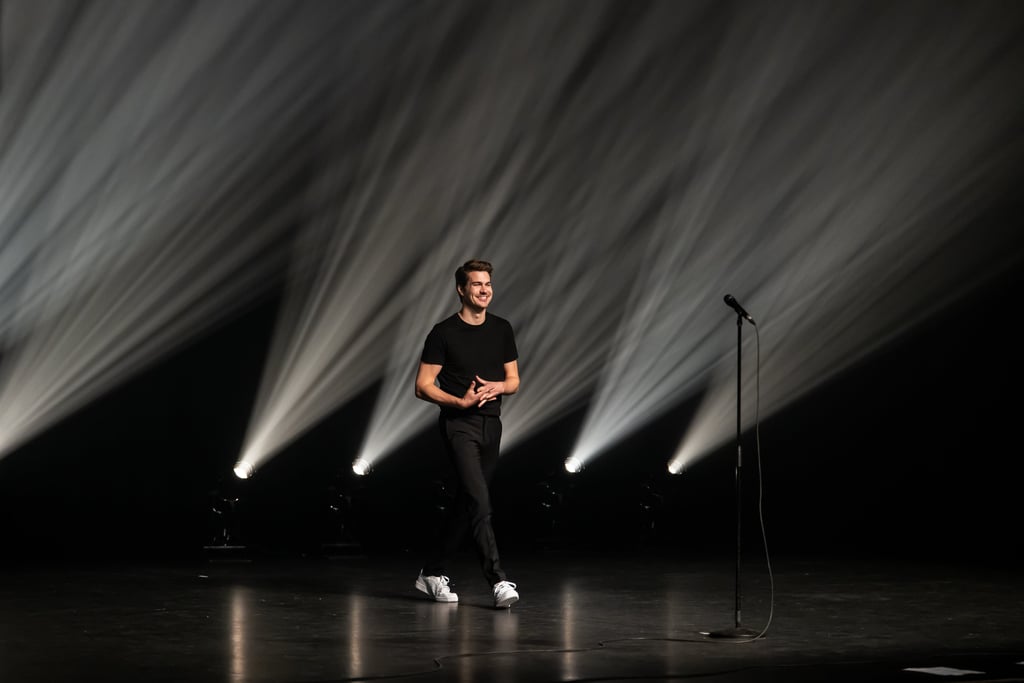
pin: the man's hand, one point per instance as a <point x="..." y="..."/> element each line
<point x="471" y="397"/>
<point x="487" y="391"/>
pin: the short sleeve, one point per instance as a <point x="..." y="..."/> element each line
<point x="511" y="352"/>
<point x="434" y="348"/>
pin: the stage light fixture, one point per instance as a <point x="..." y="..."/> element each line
<point x="573" y="465"/>
<point x="361" y="467"/>
<point x="244" y="470"/>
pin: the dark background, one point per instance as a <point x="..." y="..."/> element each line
<point x="913" y="452"/>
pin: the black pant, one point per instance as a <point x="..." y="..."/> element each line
<point x="472" y="444"/>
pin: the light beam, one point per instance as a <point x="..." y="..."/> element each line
<point x="142" y="213"/>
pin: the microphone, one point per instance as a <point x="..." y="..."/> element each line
<point x="730" y="300"/>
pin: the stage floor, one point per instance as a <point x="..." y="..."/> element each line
<point x="581" y="618"/>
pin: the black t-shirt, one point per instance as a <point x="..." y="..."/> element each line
<point x="464" y="351"/>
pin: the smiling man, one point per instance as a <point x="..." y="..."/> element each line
<point x="469" y="362"/>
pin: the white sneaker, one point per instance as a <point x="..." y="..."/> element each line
<point x="436" y="587"/>
<point x="504" y="594"/>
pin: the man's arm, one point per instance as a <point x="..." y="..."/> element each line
<point x="427" y="390"/>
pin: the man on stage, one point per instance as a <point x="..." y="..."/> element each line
<point x="469" y="362"/>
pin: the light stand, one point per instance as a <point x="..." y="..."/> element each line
<point x="226" y="543"/>
<point x="339" y="540"/>
<point x="737" y="631"/>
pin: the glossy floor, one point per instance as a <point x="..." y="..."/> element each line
<point x="593" y="618"/>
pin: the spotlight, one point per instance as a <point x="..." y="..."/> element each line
<point x="573" y="465"/>
<point x="675" y="467"/>
<point x="243" y="470"/>
<point x="361" y="467"/>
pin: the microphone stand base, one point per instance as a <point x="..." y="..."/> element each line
<point x="737" y="632"/>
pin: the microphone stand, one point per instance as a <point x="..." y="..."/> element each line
<point x="737" y="631"/>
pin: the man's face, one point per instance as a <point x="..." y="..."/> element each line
<point x="477" y="292"/>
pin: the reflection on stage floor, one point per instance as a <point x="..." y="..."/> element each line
<point x="581" y="618"/>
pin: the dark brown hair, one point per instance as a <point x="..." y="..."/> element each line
<point x="470" y="266"/>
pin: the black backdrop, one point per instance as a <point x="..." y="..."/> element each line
<point x="913" y="452"/>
